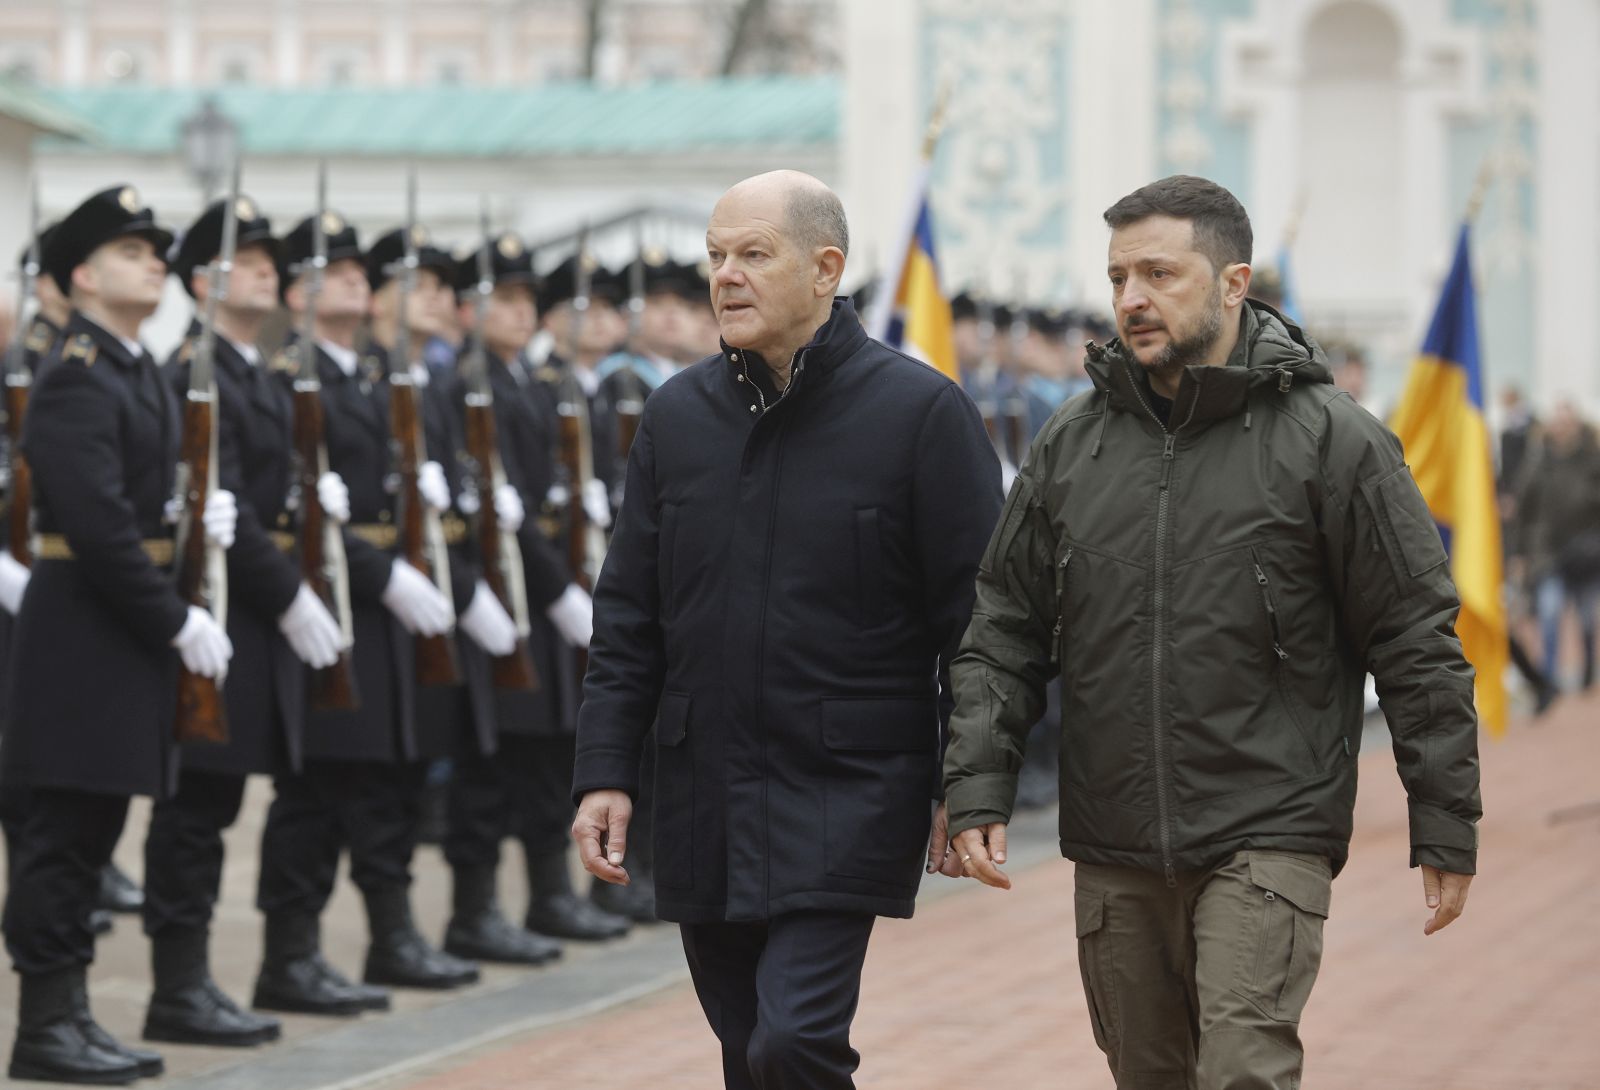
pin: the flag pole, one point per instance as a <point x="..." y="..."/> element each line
<point x="1480" y="189"/>
<point x="889" y="285"/>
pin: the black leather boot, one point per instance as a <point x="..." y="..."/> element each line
<point x="53" y="1043"/>
<point x="295" y="978"/>
<point x="150" y="1063"/>
<point x="554" y="909"/>
<point x="635" y="901"/>
<point x="188" y="1008"/>
<point x="399" y="955"/>
<point x="118" y="892"/>
<point x="479" y="931"/>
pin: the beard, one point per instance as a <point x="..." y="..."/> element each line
<point x="1187" y="346"/>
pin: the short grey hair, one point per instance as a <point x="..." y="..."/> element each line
<point x="816" y="217"/>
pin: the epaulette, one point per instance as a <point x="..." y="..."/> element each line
<point x="283" y="361"/>
<point x="82" y="347"/>
<point x="40" y="338"/>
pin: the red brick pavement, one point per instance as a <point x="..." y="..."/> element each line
<point x="981" y="990"/>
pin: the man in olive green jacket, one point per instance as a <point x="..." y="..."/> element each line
<point x="1212" y="547"/>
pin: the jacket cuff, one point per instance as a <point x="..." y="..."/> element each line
<point x="605" y="770"/>
<point x="1436" y="828"/>
<point x="980" y="799"/>
<point x="1452" y="860"/>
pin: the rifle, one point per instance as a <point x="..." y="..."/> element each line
<point x="988" y="377"/>
<point x="631" y="394"/>
<point x="319" y="542"/>
<point x="421" y="533"/>
<point x="201" y="567"/>
<point x="498" y="547"/>
<point x="586" y="545"/>
<point x="19" y="383"/>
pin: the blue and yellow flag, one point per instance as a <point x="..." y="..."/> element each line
<point x="1441" y="421"/>
<point x="917" y="320"/>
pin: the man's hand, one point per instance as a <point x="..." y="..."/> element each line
<point x="980" y="851"/>
<point x="1446" y="894"/>
<point x="601" y="830"/>
<point x="941" y="857"/>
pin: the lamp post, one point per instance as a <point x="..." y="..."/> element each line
<point x="210" y="144"/>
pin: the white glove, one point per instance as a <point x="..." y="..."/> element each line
<point x="412" y="597"/>
<point x="13" y="581"/>
<point x="508" y="508"/>
<point x="203" y="645"/>
<point x="597" y="502"/>
<point x="488" y="623"/>
<point x="573" y="615"/>
<point x="220" y="517"/>
<point x="333" y="497"/>
<point x="312" y="632"/>
<point x="431" y="483"/>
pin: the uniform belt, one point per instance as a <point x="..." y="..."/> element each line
<point x="56" y="547"/>
<point x="386" y="535"/>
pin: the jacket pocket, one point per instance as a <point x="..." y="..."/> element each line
<point x="869" y="568"/>
<point x="1410" y="537"/>
<point x="880" y="760"/>
<point x="1280" y="659"/>
<point x="674" y="790"/>
<point x="1283" y="901"/>
<point x="1058" y="636"/>
<point x="666" y="550"/>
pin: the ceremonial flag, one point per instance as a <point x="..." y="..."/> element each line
<point x="914" y="314"/>
<point x="1441" y="421"/>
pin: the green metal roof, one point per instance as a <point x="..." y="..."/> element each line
<point x="34" y="108"/>
<point x="550" y="119"/>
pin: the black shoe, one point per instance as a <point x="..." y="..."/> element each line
<point x="295" y="978"/>
<point x="479" y="931"/>
<point x="1547" y="695"/>
<point x="101" y="922"/>
<point x="399" y="956"/>
<point x="188" y="1008"/>
<point x="635" y="901"/>
<point x="55" y="1042"/>
<point x="118" y="892"/>
<point x="554" y="909"/>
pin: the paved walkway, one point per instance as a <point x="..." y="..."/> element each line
<point x="981" y="989"/>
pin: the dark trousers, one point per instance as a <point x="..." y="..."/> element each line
<point x="372" y="810"/>
<point x="780" y="995"/>
<point x="486" y="797"/>
<point x="544" y="773"/>
<point x="183" y="852"/>
<point x="65" y="842"/>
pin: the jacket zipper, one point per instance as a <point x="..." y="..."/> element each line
<point x="1061" y="607"/>
<point x="1157" y="668"/>
<point x="1272" y="611"/>
<point x="1281" y="675"/>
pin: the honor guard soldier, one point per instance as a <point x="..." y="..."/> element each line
<point x="535" y="728"/>
<point x="101" y="437"/>
<point x="458" y="721"/>
<point x="578" y="303"/>
<point x="361" y="782"/>
<point x="275" y="622"/>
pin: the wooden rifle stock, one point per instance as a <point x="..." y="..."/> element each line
<point x="201" y="714"/>
<point x="630" y="408"/>
<point x="320" y="546"/>
<point x="20" y="488"/>
<point x="498" y="548"/>
<point x="421" y="536"/>
<point x="1017" y="429"/>
<point x="582" y="555"/>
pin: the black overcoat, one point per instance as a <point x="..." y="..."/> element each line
<point x="784" y="587"/>
<point x="93" y="676"/>
<point x="265" y="690"/>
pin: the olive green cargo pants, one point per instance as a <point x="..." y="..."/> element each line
<point x="1200" y="986"/>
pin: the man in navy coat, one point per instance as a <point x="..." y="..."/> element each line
<point x="793" y="567"/>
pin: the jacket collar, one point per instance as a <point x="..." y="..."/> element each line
<point x="109" y="344"/>
<point x="1272" y="353"/>
<point x="839" y="338"/>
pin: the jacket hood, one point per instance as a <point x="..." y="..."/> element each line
<point x="1272" y="352"/>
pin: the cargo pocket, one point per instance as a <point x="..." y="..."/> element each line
<point x="1410" y="536"/>
<point x="1096" y="965"/>
<point x="674" y="816"/>
<point x="1280" y="941"/>
<point x="879" y="764"/>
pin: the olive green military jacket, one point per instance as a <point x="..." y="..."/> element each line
<point x="1212" y="593"/>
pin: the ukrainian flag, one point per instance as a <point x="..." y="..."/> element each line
<point x="917" y="321"/>
<point x="1441" y="421"/>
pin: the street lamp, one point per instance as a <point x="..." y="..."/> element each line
<point x="210" y="143"/>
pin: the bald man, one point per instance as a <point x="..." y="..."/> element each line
<point x="792" y="569"/>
